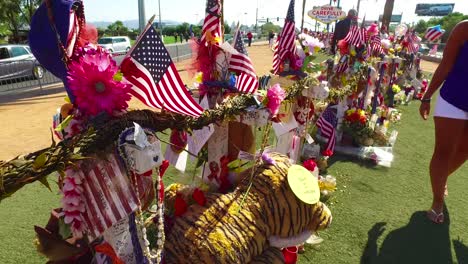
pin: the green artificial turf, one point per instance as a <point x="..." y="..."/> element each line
<point x="368" y="200"/>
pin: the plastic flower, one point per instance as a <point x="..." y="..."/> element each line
<point x="327" y="153"/>
<point x="275" y="96"/>
<point x="91" y="80"/>
<point x="72" y="203"/>
<point x="313" y="44"/>
<point x="199" y="197"/>
<point x="396" y="89"/>
<point x="267" y="159"/>
<point x="310" y="164"/>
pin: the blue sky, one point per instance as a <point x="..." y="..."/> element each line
<point x="244" y="10"/>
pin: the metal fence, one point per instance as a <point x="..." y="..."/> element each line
<point x="24" y="75"/>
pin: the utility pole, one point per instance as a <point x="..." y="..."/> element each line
<point x="387" y="15"/>
<point x="303" y="11"/>
<point x="160" y="23"/>
<point x="141" y="15"/>
<point x="256" y="18"/>
<point x="358" y="5"/>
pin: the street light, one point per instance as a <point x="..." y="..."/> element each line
<point x="141" y="15"/>
<point x="160" y="23"/>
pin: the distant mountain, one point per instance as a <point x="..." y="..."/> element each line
<point x="132" y="24"/>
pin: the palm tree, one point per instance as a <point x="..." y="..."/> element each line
<point x="387" y="15"/>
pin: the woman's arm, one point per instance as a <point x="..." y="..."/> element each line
<point x="456" y="40"/>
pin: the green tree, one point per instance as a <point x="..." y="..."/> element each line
<point x="117" y="29"/>
<point x="421" y="26"/>
<point x="16" y="14"/>
<point x="227" y="28"/>
<point x="169" y="30"/>
<point x="447" y="23"/>
<point x="182" y="28"/>
<point x="267" y="27"/>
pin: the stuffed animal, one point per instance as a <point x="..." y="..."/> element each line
<point x="228" y="229"/>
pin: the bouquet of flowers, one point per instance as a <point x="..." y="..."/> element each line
<point x="356" y="124"/>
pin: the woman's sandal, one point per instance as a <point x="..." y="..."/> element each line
<point x="435" y="217"/>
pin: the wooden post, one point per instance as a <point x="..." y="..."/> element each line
<point x="387" y="15"/>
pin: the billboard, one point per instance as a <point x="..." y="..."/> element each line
<point x="434" y="9"/>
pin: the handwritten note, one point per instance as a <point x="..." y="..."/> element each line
<point x="303" y="184"/>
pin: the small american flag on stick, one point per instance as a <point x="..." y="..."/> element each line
<point x="154" y="76"/>
<point x="327" y="123"/>
<point x="212" y="23"/>
<point x="240" y="63"/>
<point x="286" y="44"/>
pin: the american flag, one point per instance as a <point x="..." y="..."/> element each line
<point x="356" y="36"/>
<point x="107" y="193"/>
<point x="327" y="123"/>
<point x="342" y="65"/>
<point x="375" y="46"/>
<point x="154" y="76"/>
<point x="434" y="33"/>
<point x="412" y="42"/>
<point x="240" y="63"/>
<point x="246" y="83"/>
<point x="286" y="43"/>
<point x="212" y="23"/>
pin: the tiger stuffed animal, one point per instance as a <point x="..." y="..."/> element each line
<point x="223" y="232"/>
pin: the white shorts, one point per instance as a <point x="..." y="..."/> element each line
<point x="445" y="109"/>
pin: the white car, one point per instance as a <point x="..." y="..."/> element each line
<point x="115" y="44"/>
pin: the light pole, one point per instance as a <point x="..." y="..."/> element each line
<point x="141" y="15"/>
<point x="160" y="23"/>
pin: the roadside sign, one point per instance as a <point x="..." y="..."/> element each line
<point x="326" y="14"/>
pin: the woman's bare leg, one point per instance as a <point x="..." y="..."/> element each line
<point x="449" y="133"/>
<point x="461" y="155"/>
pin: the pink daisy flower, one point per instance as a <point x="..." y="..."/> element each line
<point x="91" y="79"/>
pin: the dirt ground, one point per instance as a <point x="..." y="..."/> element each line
<point x="26" y="117"/>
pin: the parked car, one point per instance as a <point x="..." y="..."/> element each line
<point x="17" y="61"/>
<point x="115" y="44"/>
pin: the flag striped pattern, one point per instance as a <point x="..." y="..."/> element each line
<point x="356" y="36"/>
<point x="327" y="123"/>
<point x="241" y="64"/>
<point x="375" y="46"/>
<point x="412" y="41"/>
<point x="433" y="34"/>
<point x="107" y="194"/>
<point x="286" y="44"/>
<point x="154" y="76"/>
<point x="212" y="22"/>
<point x="246" y="83"/>
<point x="342" y="66"/>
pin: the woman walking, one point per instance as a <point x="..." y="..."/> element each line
<point x="450" y="116"/>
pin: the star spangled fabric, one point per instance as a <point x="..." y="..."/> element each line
<point x="434" y="33"/>
<point x="286" y="45"/>
<point x="356" y="36"/>
<point x="240" y="63"/>
<point x="212" y="23"/>
<point x="154" y="76"/>
<point x="327" y="124"/>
